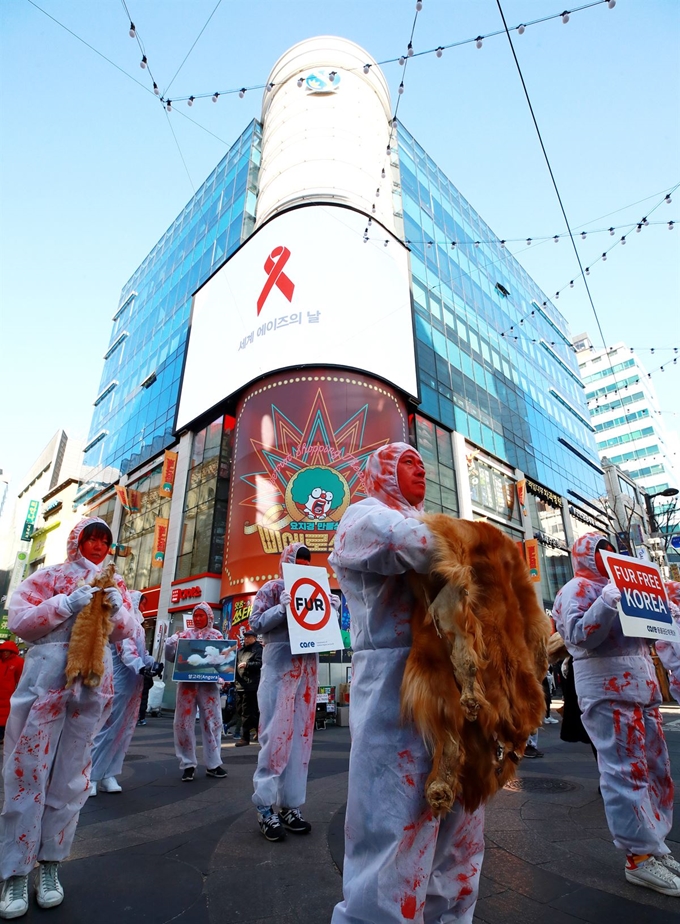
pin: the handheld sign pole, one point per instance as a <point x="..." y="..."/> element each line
<point x="312" y="623"/>
<point x="644" y="609"/>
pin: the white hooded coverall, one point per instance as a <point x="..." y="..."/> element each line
<point x="286" y="698"/>
<point x="128" y="657"/>
<point x="190" y="695"/>
<point x="401" y="863"/>
<point x="49" y="734"/>
<point x="619" y="696"/>
<point x="669" y="652"/>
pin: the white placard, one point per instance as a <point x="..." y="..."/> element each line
<point x="312" y="622"/>
<point x="644" y="609"/>
<point x="305" y="289"/>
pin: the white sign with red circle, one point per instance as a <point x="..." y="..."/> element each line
<point x="312" y="623"/>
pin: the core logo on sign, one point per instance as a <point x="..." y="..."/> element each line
<point x="309" y="604"/>
<point x="273" y="267"/>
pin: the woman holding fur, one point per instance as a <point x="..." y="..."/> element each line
<point x="53" y="722"/>
<point x="401" y="862"/>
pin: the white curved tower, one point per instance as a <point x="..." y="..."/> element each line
<point x="326" y="131"/>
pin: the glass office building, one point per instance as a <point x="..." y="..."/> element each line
<point x="502" y="423"/>
<point x="135" y="409"/>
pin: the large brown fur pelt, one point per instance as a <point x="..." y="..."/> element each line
<point x="472" y="682"/>
<point x="90" y="635"/>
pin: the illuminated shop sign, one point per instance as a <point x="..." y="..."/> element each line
<point x="303" y="290"/>
<point x="185" y="593"/>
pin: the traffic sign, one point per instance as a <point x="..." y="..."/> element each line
<point x="675" y="542"/>
<point x="312" y="624"/>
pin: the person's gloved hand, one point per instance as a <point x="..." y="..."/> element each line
<point x="79" y="598"/>
<point x="611" y="595"/>
<point x="335" y="603"/>
<point x="145" y="672"/>
<point x="285" y="599"/>
<point x="157" y="669"/>
<point x="564" y="670"/>
<point x="114" y="597"/>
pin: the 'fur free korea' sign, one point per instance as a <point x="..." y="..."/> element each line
<point x="644" y="609"/>
<point x="312" y="623"/>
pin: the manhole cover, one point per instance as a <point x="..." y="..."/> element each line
<point x="540" y="784"/>
<point x="130" y="757"/>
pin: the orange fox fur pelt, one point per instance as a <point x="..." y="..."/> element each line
<point x="472" y="682"/>
<point x="90" y="635"/>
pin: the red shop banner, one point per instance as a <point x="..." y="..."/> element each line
<point x="300" y="450"/>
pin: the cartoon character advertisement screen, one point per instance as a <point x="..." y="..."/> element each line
<point x="301" y="446"/>
<point x="204" y="660"/>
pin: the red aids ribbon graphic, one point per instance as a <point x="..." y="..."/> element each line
<point x="273" y="267"/>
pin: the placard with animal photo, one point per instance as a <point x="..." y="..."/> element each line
<point x="204" y="660"/>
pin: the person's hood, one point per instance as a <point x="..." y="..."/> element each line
<point x="382" y="481"/>
<point x="673" y="591"/>
<point x="136" y="596"/>
<point x="289" y="555"/>
<point x="9" y="646"/>
<point x="207" y="609"/>
<point x="583" y="557"/>
<point x="72" y="551"/>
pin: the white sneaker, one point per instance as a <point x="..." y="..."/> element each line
<point x="92" y="791"/>
<point x="48" y="890"/>
<point x="548" y="720"/>
<point x="14" y="897"/>
<point x="670" y="863"/>
<point x="653" y="874"/>
<point x="110" y="784"/>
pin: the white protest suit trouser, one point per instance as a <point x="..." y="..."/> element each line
<point x="207" y="697"/>
<point x="46" y="772"/>
<point x="287" y="701"/>
<point x="112" y="742"/>
<point x="401" y="863"/>
<point x="620" y="699"/>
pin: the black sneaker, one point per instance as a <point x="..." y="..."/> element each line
<point x="188" y="775"/>
<point x="218" y="773"/>
<point x="293" y="821"/>
<point x="531" y="751"/>
<point x="271" y="827"/>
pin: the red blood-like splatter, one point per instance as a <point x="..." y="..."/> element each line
<point x="408" y="907"/>
<point x="616" y="714"/>
<point x="409" y="781"/>
<point x="593" y="628"/>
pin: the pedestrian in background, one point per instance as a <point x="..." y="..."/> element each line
<point x="247" y="681"/>
<point x="11" y="666"/>
<point x="205" y="696"/>
<point x="618" y="692"/>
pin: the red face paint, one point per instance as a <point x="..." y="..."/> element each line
<point x="200" y="619"/>
<point x="94" y="550"/>
<point x="411" y="477"/>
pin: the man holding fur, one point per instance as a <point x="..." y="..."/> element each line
<point x="401" y="863"/>
<point x="51" y="726"/>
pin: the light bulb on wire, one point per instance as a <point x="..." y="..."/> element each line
<point x="168" y="105"/>
<point x="190" y="101"/>
<point x="133" y="32"/>
<point x="671" y="225"/>
<point x="479" y="41"/>
<point x="611" y="4"/>
<point x="402" y="60"/>
<point x="155" y="89"/>
<point x="401" y="88"/>
<point x="215" y="97"/>
<point x="556" y="239"/>
<point x="382" y="173"/>
<point x="439" y="52"/>
<point x="623" y="239"/>
<point x="604" y="257"/>
<point x="587" y="271"/>
<point x="419" y="5"/>
<point x="367" y="68"/>
<point x="638" y="228"/>
<point x="668" y="199"/>
<point x="611" y="231"/>
<point x="565" y="17"/>
<point x="521" y="29"/>
<point x="242" y="92"/>
<point x="645" y="222"/>
<point x="143" y="62"/>
<point x="528" y="242"/>
<point x="300" y="81"/>
<point x="409" y="49"/>
<point x="583" y="235"/>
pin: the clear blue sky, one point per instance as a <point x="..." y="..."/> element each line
<point x="91" y="176"/>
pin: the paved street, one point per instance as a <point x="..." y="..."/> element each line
<point x="191" y="853"/>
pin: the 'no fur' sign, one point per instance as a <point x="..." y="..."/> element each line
<point x="644" y="609"/>
<point x="312" y="623"/>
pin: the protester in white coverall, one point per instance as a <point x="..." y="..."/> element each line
<point x="401" y="863"/>
<point x="130" y="660"/>
<point x="669" y="652"/>
<point x="286" y="698"/>
<point x="50" y="728"/>
<point x="204" y="695"/>
<point x="619" y="695"/>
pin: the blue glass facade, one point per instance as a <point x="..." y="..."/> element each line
<point x="494" y="356"/>
<point x="135" y="408"/>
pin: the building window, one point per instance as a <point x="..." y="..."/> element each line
<point x="134" y="549"/>
<point x="435" y="446"/>
<point x="205" y="502"/>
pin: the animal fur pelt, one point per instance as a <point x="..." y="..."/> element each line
<point x="90" y="635"/>
<point x="557" y="650"/>
<point x="472" y="682"/>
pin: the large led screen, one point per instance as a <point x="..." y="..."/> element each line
<point x="305" y="289"/>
